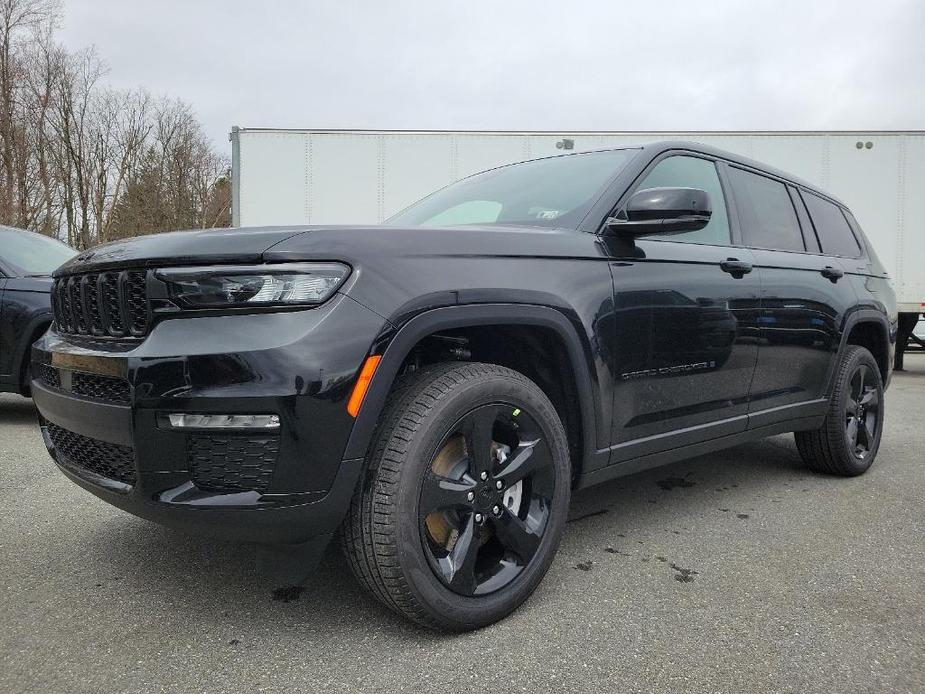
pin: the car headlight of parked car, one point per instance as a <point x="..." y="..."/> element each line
<point x="284" y="284"/>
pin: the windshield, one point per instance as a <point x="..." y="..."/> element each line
<point x="553" y="192"/>
<point x="32" y="254"/>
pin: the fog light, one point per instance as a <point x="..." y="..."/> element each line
<point x="224" y="421"/>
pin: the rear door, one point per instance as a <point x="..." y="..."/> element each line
<point x="804" y="296"/>
<point x="686" y="319"/>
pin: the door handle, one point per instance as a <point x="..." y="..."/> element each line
<point x="735" y="267"/>
<point x="832" y="273"/>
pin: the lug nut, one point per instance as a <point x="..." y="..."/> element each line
<point x="496" y="510"/>
<point x="479" y="518"/>
<point x="499" y="485"/>
<point x="484" y="476"/>
<point x="470" y="496"/>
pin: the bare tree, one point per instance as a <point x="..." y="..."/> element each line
<point x="18" y="19"/>
<point x="43" y="212"/>
<point x="75" y="123"/>
<point x="132" y="127"/>
<point x="179" y="182"/>
<point x="86" y="163"/>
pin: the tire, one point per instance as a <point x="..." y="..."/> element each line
<point x="432" y="418"/>
<point x="847" y="442"/>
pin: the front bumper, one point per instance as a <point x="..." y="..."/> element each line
<point x="102" y="407"/>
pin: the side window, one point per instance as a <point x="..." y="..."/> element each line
<point x="693" y="172"/>
<point x="809" y="234"/>
<point x="766" y="211"/>
<point x="833" y="229"/>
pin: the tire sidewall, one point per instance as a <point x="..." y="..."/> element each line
<point x="458" y="611"/>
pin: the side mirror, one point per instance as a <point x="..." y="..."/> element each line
<point x="662" y="211"/>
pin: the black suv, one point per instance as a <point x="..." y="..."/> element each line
<point x="27" y="260"/>
<point x="433" y="388"/>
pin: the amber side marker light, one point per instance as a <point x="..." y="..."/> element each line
<point x="362" y="384"/>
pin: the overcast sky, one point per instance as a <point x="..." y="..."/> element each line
<point x="519" y="64"/>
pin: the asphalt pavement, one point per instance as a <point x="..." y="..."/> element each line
<point x="733" y="572"/>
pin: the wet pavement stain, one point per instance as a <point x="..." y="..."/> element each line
<point x="670" y="483"/>
<point x="584" y="565"/>
<point x="288" y="594"/>
<point x="683" y="575"/>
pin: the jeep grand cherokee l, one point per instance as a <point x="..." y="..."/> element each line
<point x="433" y="388"/>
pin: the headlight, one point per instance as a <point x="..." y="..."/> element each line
<point x="284" y="284"/>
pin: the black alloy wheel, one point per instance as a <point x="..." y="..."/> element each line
<point x="862" y="411"/>
<point x="486" y="499"/>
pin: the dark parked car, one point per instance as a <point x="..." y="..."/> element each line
<point x="434" y="388"/>
<point x="26" y="263"/>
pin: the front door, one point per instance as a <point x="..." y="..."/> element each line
<point x="686" y="311"/>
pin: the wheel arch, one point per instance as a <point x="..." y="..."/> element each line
<point x="869" y="329"/>
<point x="396" y="348"/>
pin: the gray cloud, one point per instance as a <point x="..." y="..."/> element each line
<point x="520" y="64"/>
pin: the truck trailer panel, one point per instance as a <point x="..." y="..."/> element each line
<point x="364" y="176"/>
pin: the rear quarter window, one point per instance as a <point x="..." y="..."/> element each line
<point x="832" y="227"/>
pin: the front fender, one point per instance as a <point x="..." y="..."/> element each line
<point x="396" y="347"/>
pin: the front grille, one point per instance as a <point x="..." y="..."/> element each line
<point x="100" y="387"/>
<point x="81" y="453"/>
<point x="49" y="376"/>
<point x="108" y="388"/>
<point x="232" y="463"/>
<point x="105" y="304"/>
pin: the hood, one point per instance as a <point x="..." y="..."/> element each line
<point x="381" y="242"/>
<point x="347" y="243"/>
<point x="182" y="248"/>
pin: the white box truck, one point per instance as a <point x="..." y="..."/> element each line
<point x="365" y="176"/>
